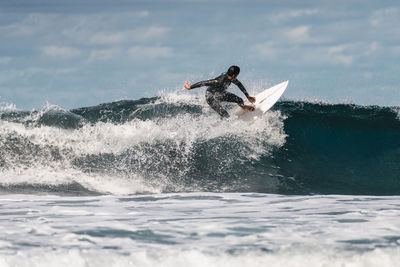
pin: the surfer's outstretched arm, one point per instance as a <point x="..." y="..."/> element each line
<point x="202" y="83"/>
<point x="241" y="87"/>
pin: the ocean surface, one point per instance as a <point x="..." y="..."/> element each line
<point x="164" y="182"/>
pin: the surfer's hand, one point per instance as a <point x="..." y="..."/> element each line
<point x="251" y="99"/>
<point x="187" y="85"/>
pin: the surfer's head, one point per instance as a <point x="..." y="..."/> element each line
<point x="233" y="72"/>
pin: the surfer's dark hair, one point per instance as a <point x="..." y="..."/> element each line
<point x="233" y="70"/>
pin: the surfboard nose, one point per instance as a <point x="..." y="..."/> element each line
<point x="266" y="99"/>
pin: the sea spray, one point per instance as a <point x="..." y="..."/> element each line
<point x="172" y="145"/>
<point x="176" y="143"/>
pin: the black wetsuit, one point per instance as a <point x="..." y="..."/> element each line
<point x="216" y="92"/>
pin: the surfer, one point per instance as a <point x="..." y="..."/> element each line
<point x="216" y="91"/>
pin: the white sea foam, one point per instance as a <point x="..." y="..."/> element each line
<point x="181" y="131"/>
<point x="311" y="257"/>
<point x="4" y="107"/>
<point x="60" y="175"/>
<point x="115" y="138"/>
<point x="35" y="114"/>
<point x="199" y="229"/>
<point x="396" y="110"/>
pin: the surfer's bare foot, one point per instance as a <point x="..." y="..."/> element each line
<point x="249" y="108"/>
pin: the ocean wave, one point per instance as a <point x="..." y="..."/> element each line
<point x="176" y="143"/>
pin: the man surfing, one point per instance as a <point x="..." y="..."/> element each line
<point x="216" y="91"/>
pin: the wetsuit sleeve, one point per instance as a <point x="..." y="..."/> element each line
<point x="241" y="87"/>
<point x="205" y="83"/>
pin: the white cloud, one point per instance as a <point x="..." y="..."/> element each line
<point x="302" y="12"/>
<point x="108" y="38"/>
<point x="331" y="55"/>
<point x="299" y="34"/>
<point x="28" y="26"/>
<point x="18" y="76"/>
<point x="102" y="54"/>
<point x="291" y="14"/>
<point x="60" y="51"/>
<point x="143" y="13"/>
<point x="73" y="28"/>
<point x="340" y="59"/>
<point x="69" y="24"/>
<point x="372" y="48"/>
<point x="150" y="52"/>
<point x="308" y="56"/>
<point x="386" y="16"/>
<point x="384" y="25"/>
<point x="395" y="50"/>
<point x="152" y="32"/>
<point x="136" y="35"/>
<point x="265" y="50"/>
<point x="336" y="49"/>
<point x="5" y="60"/>
<point x="10" y="75"/>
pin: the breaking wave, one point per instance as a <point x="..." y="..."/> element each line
<point x="176" y="143"/>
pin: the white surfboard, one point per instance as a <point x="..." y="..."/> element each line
<point x="264" y="101"/>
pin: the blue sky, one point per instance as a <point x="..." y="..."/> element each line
<point x="84" y="52"/>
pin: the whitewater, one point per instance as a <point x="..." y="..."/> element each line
<point x="163" y="181"/>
